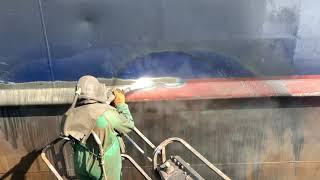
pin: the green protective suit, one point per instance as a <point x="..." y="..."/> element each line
<point x="109" y="122"/>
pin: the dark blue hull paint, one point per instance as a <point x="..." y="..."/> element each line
<point x="63" y="40"/>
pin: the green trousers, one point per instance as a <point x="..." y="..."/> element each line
<point x="87" y="164"/>
<point x="86" y="160"/>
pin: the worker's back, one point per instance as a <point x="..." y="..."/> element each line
<point x="86" y="155"/>
<point x="94" y="126"/>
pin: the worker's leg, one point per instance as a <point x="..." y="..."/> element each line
<point x="113" y="161"/>
<point x="82" y="162"/>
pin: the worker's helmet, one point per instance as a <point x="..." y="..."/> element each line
<point x="89" y="88"/>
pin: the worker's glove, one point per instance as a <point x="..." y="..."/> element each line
<point x="119" y="96"/>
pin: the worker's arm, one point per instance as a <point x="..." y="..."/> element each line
<point x="120" y="120"/>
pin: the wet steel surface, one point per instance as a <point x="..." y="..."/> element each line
<point x="246" y="138"/>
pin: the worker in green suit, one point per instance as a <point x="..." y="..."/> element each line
<point x="92" y="112"/>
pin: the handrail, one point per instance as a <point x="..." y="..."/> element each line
<point x="136" y="165"/>
<point x="144" y="138"/>
<point x="46" y="160"/>
<point x="190" y="148"/>
<point x="59" y="177"/>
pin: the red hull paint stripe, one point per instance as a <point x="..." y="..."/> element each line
<point x="224" y="88"/>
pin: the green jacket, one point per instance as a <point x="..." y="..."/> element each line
<point x="108" y="123"/>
